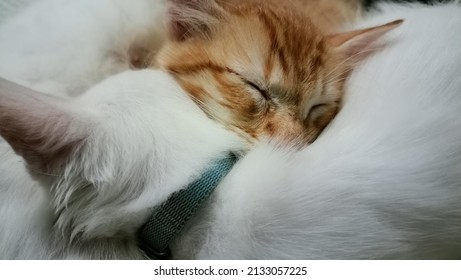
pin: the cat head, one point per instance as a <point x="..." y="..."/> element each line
<point x="114" y="152"/>
<point x="262" y="68"/>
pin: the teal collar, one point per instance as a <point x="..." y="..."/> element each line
<point x="170" y="218"/>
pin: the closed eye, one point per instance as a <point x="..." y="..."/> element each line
<point x="316" y="111"/>
<point x="318" y="107"/>
<point x="262" y="91"/>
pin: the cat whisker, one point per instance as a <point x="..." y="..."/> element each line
<point x="202" y="105"/>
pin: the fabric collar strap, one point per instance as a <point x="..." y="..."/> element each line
<point x="169" y="219"/>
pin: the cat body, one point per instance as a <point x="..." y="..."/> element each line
<point x="382" y="181"/>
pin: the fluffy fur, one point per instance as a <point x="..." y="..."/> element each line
<point x="331" y="15"/>
<point x="92" y="41"/>
<point x="382" y="181"/>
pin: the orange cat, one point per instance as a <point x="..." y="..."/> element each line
<point x="262" y="68"/>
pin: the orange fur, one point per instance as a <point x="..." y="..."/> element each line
<point x="261" y="68"/>
<point x="331" y="15"/>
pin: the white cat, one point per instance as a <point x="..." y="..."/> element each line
<point x="383" y="181"/>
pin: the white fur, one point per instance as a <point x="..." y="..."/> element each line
<point x="382" y="181"/>
<point x="64" y="46"/>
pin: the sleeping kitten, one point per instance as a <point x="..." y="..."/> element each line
<point x="381" y="181"/>
<point x="262" y="68"/>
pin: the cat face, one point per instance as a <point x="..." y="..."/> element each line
<point x="260" y="68"/>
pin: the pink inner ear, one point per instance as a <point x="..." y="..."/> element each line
<point x="186" y="18"/>
<point x="37" y="126"/>
<point x="358" y="44"/>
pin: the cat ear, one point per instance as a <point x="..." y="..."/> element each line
<point x="358" y="44"/>
<point x="188" y="18"/>
<point x="44" y="130"/>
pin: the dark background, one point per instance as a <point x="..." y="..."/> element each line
<point x="371" y="3"/>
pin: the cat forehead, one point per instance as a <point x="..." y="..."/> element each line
<point x="279" y="25"/>
<point x="292" y="20"/>
<point x="255" y="51"/>
<point x="269" y="46"/>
